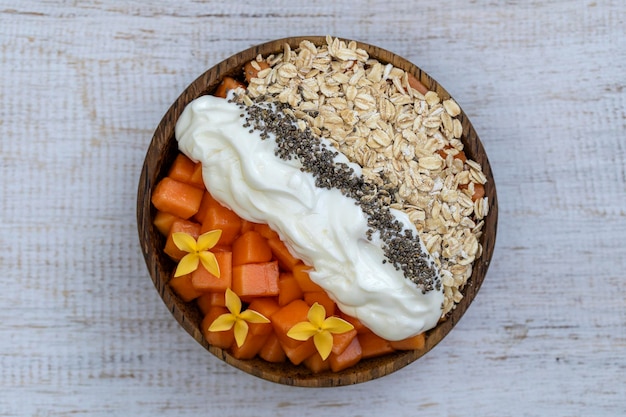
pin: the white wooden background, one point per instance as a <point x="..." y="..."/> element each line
<point x="83" y="84"/>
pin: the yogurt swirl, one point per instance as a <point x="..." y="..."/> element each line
<point x="323" y="227"/>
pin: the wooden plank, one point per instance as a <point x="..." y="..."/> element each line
<point x="83" y="87"/>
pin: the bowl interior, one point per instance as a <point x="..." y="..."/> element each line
<point x="161" y="153"/>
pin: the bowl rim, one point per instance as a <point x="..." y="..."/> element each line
<point x="159" y="153"/>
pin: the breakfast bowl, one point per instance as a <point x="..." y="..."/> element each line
<point x="451" y="198"/>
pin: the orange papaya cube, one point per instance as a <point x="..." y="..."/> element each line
<point x="184" y="226"/>
<point x="265" y="231"/>
<point x="183" y="288"/>
<point x="177" y="198"/>
<point x="181" y="169"/>
<point x="196" y="176"/>
<point x="272" y="350"/>
<point x="250" y="70"/>
<point x="203" y="280"/>
<point x="288" y="288"/>
<point x="163" y="222"/>
<point x="227" y="84"/>
<point x="322" y="298"/>
<point x="265" y="306"/>
<point x="358" y="325"/>
<point x="288" y="316"/>
<point x="251" y="247"/>
<point x="342" y="340"/>
<point x="300" y="352"/>
<point x="301" y="274"/>
<point x="349" y="357"/>
<point x="316" y="364"/>
<point x="286" y="260"/>
<point x="250" y="347"/>
<point x="219" y="217"/>
<point x="210" y="299"/>
<point x="246" y="226"/>
<point x="282" y="321"/>
<point x="373" y="345"/>
<point x="206" y="201"/>
<point x="256" y="280"/>
<point x="410" y="343"/>
<point x="416" y="84"/>
<point x="223" y="339"/>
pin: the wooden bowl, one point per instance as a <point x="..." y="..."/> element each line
<point x="161" y="152"/>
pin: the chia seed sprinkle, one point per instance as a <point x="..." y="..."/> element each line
<point x="401" y="248"/>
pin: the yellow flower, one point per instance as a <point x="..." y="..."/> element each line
<point x="236" y="318"/>
<point x="320" y="328"/>
<point x="198" y="252"/>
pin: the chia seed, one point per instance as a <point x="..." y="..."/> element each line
<point x="401" y="248"/>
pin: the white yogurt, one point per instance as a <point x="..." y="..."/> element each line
<point x="324" y="228"/>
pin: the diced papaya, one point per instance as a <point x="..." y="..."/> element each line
<point x="246" y="226"/>
<point x="301" y="274"/>
<point x="272" y="351"/>
<point x="287" y="317"/>
<point x="227" y="84"/>
<point x="316" y="364"/>
<point x="265" y="306"/>
<point x="300" y="352"/>
<point x="322" y="298"/>
<point x="342" y="340"/>
<point x="373" y="345"/>
<point x="177" y="198"/>
<point x="265" y="231"/>
<point x="185" y="226"/>
<point x="417" y="84"/>
<point x="479" y="192"/>
<point x="219" y="217"/>
<point x="250" y="347"/>
<point x="223" y="339"/>
<point x="349" y="357"/>
<point x="410" y="343"/>
<point x="163" y="222"/>
<point x="282" y="321"/>
<point x="210" y="299"/>
<point x="256" y="280"/>
<point x="460" y="155"/>
<point x="183" y="288"/>
<point x="358" y="325"/>
<point x="288" y="288"/>
<point x="203" y="280"/>
<point x="196" y="176"/>
<point x="206" y="201"/>
<point x="251" y="70"/>
<point x="181" y="169"/>
<point x="251" y="247"/>
<point x="286" y="260"/>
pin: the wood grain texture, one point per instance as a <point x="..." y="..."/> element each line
<point x="83" y="86"/>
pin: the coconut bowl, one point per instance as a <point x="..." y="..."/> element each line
<point x="163" y="149"/>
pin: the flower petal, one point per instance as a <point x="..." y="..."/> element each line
<point x="302" y="331"/>
<point x="252" y="316"/>
<point x="337" y="325"/>
<point x="184" y="241"/>
<point x="222" y="323"/>
<point x="316" y="315"/>
<point x="323" y="343"/>
<point x="209" y="262"/>
<point x="233" y="303"/>
<point x="209" y="239"/>
<point x="188" y="264"/>
<point x="241" y="331"/>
